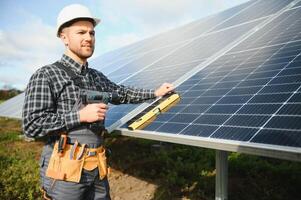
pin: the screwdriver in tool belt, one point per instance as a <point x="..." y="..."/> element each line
<point x="62" y="144"/>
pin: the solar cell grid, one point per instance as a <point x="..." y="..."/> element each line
<point x="245" y="90"/>
<point x="205" y="100"/>
<point x="111" y="66"/>
<point x="290" y="109"/>
<point x="223" y="85"/>
<point x="234" y="133"/>
<point x="247" y="120"/>
<point x="263" y="109"/>
<point x="296" y="97"/>
<point x="278" y="88"/>
<point x="284" y="122"/>
<point x="113" y="56"/>
<point x="253" y="98"/>
<point x="189" y="31"/>
<point x="149" y="77"/>
<point x="263" y="8"/>
<point x="286" y="28"/>
<point x="297" y="5"/>
<point x="212" y="119"/>
<point x="278" y="137"/>
<point x="196" y="108"/>
<point x="239" y="99"/>
<point x="198" y="130"/>
<point x="206" y="45"/>
<point x="143" y="61"/>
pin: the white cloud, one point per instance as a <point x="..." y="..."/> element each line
<point x="31" y="46"/>
<point x="34" y="44"/>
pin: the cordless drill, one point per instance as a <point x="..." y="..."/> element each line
<point x="88" y="97"/>
<point x="91" y="96"/>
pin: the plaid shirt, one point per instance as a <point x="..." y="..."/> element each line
<point x="51" y="95"/>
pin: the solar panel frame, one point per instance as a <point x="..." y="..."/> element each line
<point x="275" y="151"/>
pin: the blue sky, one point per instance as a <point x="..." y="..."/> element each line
<point x="27" y="28"/>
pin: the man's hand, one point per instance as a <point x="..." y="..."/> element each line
<point x="93" y="112"/>
<point x="164" y="89"/>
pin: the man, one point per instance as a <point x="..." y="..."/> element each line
<point x="74" y="167"/>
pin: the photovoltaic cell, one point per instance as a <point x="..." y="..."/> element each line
<point x="234" y="133"/>
<point x="206" y="45"/>
<point x="264" y="109"/>
<point x="263" y="8"/>
<point x="171" y="127"/>
<point x="199" y="130"/>
<point x="286" y="29"/>
<point x="196" y="108"/>
<point x="240" y="99"/>
<point x="278" y="137"/>
<point x="247" y="120"/>
<point x="142" y="61"/>
<point x="285" y="122"/>
<point x="298" y="4"/>
<point x="290" y="109"/>
<point x="112" y="65"/>
<point x="296" y="97"/>
<point x="291" y="87"/>
<point x="213" y="119"/>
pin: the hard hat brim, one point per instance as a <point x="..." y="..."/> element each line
<point x="95" y="20"/>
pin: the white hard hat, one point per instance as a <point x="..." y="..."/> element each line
<point x="71" y="12"/>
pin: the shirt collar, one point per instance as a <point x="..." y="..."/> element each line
<point x="81" y="69"/>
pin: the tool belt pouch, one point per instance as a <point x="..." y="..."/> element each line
<point x="63" y="167"/>
<point x="102" y="164"/>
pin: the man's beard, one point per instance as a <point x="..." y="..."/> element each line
<point x="83" y="54"/>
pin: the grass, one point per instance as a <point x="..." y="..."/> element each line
<point x="179" y="171"/>
<point x="18" y="163"/>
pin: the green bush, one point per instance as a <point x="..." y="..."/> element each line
<point x="19" y="172"/>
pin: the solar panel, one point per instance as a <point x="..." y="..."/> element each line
<point x="238" y="73"/>
<point x="171" y="66"/>
<point x="251" y="94"/>
<point x="12" y="107"/>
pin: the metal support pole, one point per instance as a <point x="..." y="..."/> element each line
<point x="221" y="178"/>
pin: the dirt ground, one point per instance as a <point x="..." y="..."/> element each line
<point x="124" y="187"/>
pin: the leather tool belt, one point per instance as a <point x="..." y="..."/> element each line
<point x="68" y="165"/>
